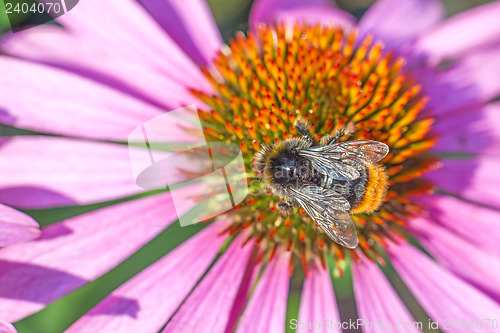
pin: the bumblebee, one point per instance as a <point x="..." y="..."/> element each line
<point x="329" y="179"/>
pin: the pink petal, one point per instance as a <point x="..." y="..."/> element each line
<point x="462" y="33"/>
<point x="459" y="216"/>
<point x="396" y="22"/>
<point x="473" y="131"/>
<point x="74" y="252"/>
<point x="16" y="227"/>
<point x="318" y="300"/>
<point x="315" y="11"/>
<point x="54" y="101"/>
<point x="127" y="28"/>
<point x="190" y="24"/>
<point x="476" y="179"/>
<point x="466" y="85"/>
<point x="444" y="297"/>
<point x="451" y="91"/>
<point x="485" y="66"/>
<point x="41" y="171"/>
<point x="6" y="327"/>
<point x="248" y="280"/>
<point x="313" y="15"/>
<point x="376" y="300"/>
<point x="210" y="303"/>
<point x="466" y="260"/>
<point x="266" y="309"/>
<point x="145" y="303"/>
<point x="134" y="54"/>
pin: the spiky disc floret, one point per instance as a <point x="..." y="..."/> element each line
<point x="265" y="81"/>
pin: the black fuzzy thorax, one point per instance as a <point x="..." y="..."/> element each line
<point x="288" y="169"/>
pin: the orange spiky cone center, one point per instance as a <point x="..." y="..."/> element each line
<point x="265" y="81"/>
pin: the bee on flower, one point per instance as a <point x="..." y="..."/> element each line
<point x="374" y="144"/>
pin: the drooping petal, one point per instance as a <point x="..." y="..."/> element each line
<point x="318" y="300"/>
<point x="316" y="11"/>
<point x="266" y="309"/>
<point x="376" y="300"/>
<point x="210" y="303"/>
<point x="459" y="217"/>
<point x="473" y="131"/>
<point x="461" y="33"/>
<point x="476" y="179"/>
<point x="127" y="50"/>
<point x="396" y="22"/>
<point x="41" y="171"/>
<point x="6" y="327"/>
<point x="51" y="100"/>
<point x="145" y="303"/>
<point x="190" y="24"/>
<point x="16" y="227"/>
<point x="74" y="252"/>
<point x="444" y="297"/>
<point x="466" y="260"/>
<point x="126" y="27"/>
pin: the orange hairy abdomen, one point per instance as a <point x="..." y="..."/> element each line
<point x="376" y="189"/>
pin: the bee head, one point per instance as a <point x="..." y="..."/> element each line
<point x="279" y="164"/>
<point x="284" y="166"/>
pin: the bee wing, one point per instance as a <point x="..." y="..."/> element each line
<point x="367" y="150"/>
<point x="341" y="229"/>
<point x="330" y="165"/>
<point x="329" y="211"/>
<point x="328" y="159"/>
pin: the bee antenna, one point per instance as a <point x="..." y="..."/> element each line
<point x="302" y="126"/>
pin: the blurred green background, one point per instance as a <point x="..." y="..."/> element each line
<point x="231" y="16"/>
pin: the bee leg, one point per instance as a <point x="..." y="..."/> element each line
<point x="326" y="140"/>
<point x="348" y="130"/>
<point x="337" y="136"/>
<point x="284" y="207"/>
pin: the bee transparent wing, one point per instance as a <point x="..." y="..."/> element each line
<point x="330" y="166"/>
<point x="367" y="150"/>
<point x="319" y="199"/>
<point x="330" y="212"/>
<point x="341" y="229"/>
<point x="328" y="159"/>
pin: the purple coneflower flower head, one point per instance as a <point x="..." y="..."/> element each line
<point x="402" y="75"/>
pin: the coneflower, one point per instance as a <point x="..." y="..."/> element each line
<point x="400" y="76"/>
